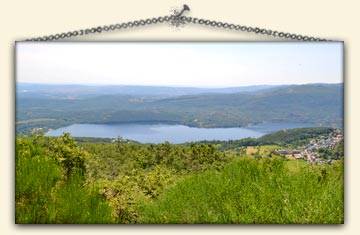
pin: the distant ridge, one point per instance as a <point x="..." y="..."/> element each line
<point x="53" y="89"/>
<point x="317" y="104"/>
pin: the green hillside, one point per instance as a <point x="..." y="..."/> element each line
<point x="249" y="191"/>
<point x="317" y="104"/>
<point x="294" y="137"/>
<point x="59" y="180"/>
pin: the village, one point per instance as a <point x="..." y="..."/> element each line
<point x="310" y="152"/>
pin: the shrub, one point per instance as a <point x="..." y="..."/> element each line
<point x="253" y="191"/>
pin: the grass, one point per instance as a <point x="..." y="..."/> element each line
<point x="247" y="191"/>
<point x="35" y="177"/>
<point x="57" y="181"/>
<point x="44" y="195"/>
<point x="75" y="203"/>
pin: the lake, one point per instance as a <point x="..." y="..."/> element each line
<point x="158" y="133"/>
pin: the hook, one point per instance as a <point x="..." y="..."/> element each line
<point x="185" y="8"/>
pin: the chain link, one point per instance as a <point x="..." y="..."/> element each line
<point x="103" y="28"/>
<point x="177" y="20"/>
<point x="249" y="29"/>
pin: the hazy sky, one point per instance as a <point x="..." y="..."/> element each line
<point x="179" y="64"/>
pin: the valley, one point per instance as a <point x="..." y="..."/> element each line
<point x="318" y="104"/>
<point x="264" y="154"/>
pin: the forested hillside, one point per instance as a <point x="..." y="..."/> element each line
<point x="318" y="104"/>
<point x="61" y="181"/>
<point x="288" y="137"/>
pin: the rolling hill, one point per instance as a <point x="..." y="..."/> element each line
<point x="319" y="104"/>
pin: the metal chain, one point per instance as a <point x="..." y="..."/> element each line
<point x="104" y="28"/>
<point x="256" y="30"/>
<point x="177" y="19"/>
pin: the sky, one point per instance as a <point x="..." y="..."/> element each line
<point x="196" y="64"/>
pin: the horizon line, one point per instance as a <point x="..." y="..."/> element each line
<point x="175" y="86"/>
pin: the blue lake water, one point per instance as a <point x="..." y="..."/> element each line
<point x="158" y="133"/>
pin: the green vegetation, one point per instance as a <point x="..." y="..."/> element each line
<point x="254" y="191"/>
<point x="50" y="183"/>
<point x="59" y="180"/>
<point x="336" y="153"/>
<point x="289" y="137"/>
<point x="315" y="104"/>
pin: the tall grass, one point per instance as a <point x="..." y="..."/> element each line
<point x="254" y="191"/>
<point x="46" y="194"/>
<point x="56" y="183"/>
<point x="35" y="177"/>
<point x="76" y="203"/>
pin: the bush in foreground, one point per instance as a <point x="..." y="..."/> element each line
<point x="50" y="184"/>
<point x="250" y="191"/>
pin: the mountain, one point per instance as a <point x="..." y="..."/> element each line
<point x="78" y="91"/>
<point x="318" y="104"/>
